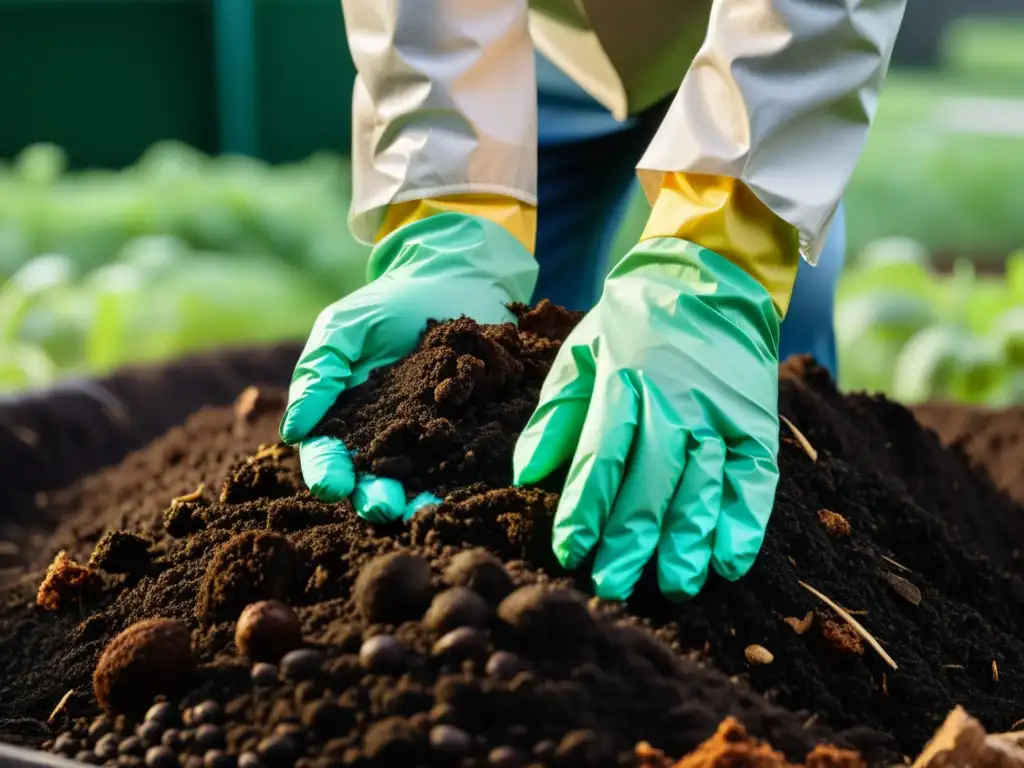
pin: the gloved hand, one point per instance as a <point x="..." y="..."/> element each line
<point x="436" y="268"/>
<point x="665" y="401"/>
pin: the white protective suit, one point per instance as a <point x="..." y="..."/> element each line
<point x="778" y="94"/>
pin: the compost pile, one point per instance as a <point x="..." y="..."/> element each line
<point x="455" y="638"/>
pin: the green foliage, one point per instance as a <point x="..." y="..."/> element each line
<point x="916" y="335"/>
<point x="178" y="253"/>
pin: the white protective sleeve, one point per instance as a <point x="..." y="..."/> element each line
<point x="445" y="102"/>
<point x="781" y="97"/>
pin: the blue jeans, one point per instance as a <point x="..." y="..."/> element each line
<point x="584" y="188"/>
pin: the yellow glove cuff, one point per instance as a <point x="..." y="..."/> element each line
<point x="724" y="216"/>
<point x="518" y="218"/>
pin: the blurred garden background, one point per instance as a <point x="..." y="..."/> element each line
<point x="173" y="177"/>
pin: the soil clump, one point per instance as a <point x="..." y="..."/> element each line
<point x="456" y="636"/>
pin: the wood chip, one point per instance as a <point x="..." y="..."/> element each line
<point x="193" y="496"/>
<point x="902" y="567"/>
<point x="803" y="441"/>
<point x="842" y="637"/>
<point x="758" y="655"/>
<point x="995" y="671"/>
<point x="902" y="587"/>
<point x="792" y="562"/>
<point x="60" y="705"/>
<point x="810" y="721"/>
<point x="864" y="634"/>
<point x="800" y="626"/>
<point x="952" y="666"/>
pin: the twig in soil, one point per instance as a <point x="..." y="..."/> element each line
<point x="193" y="496"/>
<point x="803" y="441"/>
<point x="952" y="666"/>
<point x="275" y="451"/>
<point x="1018" y="723"/>
<point x="903" y="588"/>
<point x="800" y="626"/>
<point x="995" y="671"/>
<point x="898" y="565"/>
<point x="60" y="705"/>
<point x="854" y="624"/>
<point x="885" y="686"/>
<point x="810" y="721"/>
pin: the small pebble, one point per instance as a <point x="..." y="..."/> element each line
<point x="504" y="757"/>
<point x="209" y="736"/>
<point x="161" y="757"/>
<point x="264" y="675"/>
<point x="106" y="747"/>
<point x="249" y="760"/>
<point x="171" y="738"/>
<point x="382" y="654"/>
<point x="449" y="740"/>
<point x="301" y="664"/>
<point x="100" y="726"/>
<point x="163" y="713"/>
<point x="218" y="758"/>
<point x="462" y="644"/>
<point x="504" y="665"/>
<point x="150" y="733"/>
<point x="66" y="744"/>
<point x="277" y="751"/>
<point x="544" y="750"/>
<point x="208" y="712"/>
<point x="86" y="756"/>
<point x="130" y="746"/>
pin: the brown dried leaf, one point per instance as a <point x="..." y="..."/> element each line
<point x="65" y="579"/>
<point x="800" y="626"/>
<point x="903" y="588"/>
<point x="835" y="524"/>
<point x="842" y="637"/>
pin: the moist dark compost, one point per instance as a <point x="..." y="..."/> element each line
<point x="455" y="639"/>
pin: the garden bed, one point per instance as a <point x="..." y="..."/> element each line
<point x="900" y="532"/>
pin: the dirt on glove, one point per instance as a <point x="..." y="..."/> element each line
<point x="472" y="645"/>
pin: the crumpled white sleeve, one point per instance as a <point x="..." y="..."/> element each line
<point x="445" y="102"/>
<point x="781" y="97"/>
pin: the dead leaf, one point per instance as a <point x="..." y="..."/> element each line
<point x="903" y="588"/>
<point x="800" y="626"/>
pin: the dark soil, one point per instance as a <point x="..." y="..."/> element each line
<point x="992" y="440"/>
<point x="399" y="670"/>
<point x="51" y="438"/>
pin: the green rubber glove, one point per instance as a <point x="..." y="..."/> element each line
<point x="664" y="402"/>
<point x="438" y="268"/>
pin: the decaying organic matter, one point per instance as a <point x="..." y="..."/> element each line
<point x="456" y="637"/>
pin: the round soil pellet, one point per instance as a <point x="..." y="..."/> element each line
<point x="149" y="658"/>
<point x="131" y="746"/>
<point x="457" y="607"/>
<point x="106" y="747"/>
<point x="504" y="665"/>
<point x="277" y="751"/>
<point x="505" y="757"/>
<point x="206" y="713"/>
<point x="392" y="741"/>
<point x="462" y="644"/>
<point x="480" y="571"/>
<point x="382" y="654"/>
<point x="161" y="757"/>
<point x="218" y="758"/>
<point x="327" y="717"/>
<point x="100" y="726"/>
<point x="393" y="588"/>
<point x="264" y="675"/>
<point x="162" y="712"/>
<point x="543" y="619"/>
<point x="301" y="664"/>
<point x="150" y="733"/>
<point x="267" y="630"/>
<point x="209" y="736"/>
<point x="249" y="760"/>
<point x="86" y="756"/>
<point x="450" y="741"/>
